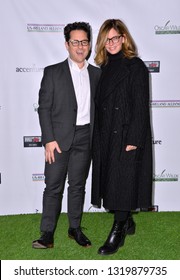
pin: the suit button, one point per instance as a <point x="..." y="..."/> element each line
<point x="115" y="131"/>
<point x="74" y="125"/>
<point x="75" y="110"/>
<point x="104" y="108"/>
<point x="116" y="108"/>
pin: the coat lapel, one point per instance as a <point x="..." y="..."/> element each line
<point x="92" y="92"/>
<point x="115" y="79"/>
<point x="91" y="80"/>
<point x="69" y="82"/>
<point x="71" y="90"/>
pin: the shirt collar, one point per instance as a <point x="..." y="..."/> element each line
<point x="74" y="65"/>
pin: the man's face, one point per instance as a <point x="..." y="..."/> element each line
<point x="80" y="50"/>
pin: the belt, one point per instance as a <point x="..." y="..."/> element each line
<point x="83" y="126"/>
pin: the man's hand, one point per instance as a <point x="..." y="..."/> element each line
<point x="49" y="151"/>
<point x="130" y="148"/>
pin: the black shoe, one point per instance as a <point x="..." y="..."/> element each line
<point x="44" y="242"/>
<point x="79" y="237"/>
<point x="131" y="226"/>
<point x="117" y="236"/>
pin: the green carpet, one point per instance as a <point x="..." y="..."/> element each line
<point x="157" y="237"/>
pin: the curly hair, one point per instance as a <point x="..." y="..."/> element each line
<point x="77" y="26"/>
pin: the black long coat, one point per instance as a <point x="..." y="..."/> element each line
<point x="122" y="179"/>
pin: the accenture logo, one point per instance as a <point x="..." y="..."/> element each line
<point x="34" y="27"/>
<point x="156" y="142"/>
<point x="165" y="103"/>
<point x="29" y="69"/>
<point x="167" y="29"/>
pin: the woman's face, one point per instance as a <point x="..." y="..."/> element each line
<point x="114" y="41"/>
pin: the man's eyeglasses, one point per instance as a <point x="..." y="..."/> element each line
<point x="76" y="43"/>
<point x="114" y="39"/>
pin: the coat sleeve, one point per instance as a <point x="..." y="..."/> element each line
<point x="140" y="118"/>
<point x="46" y="106"/>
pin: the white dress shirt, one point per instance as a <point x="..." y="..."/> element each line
<point x="81" y="84"/>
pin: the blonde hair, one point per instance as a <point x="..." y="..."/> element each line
<point x="129" y="48"/>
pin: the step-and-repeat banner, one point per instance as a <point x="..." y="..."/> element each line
<point x="32" y="38"/>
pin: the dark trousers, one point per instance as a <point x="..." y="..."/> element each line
<point x="75" y="164"/>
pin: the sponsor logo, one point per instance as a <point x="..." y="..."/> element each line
<point x="29" y="69"/>
<point x="156" y="142"/>
<point x="164" y="103"/>
<point x="165" y="177"/>
<point x="38" y="177"/>
<point x="33" y="27"/>
<point x="35" y="106"/>
<point x="167" y="29"/>
<point x="153" y="66"/>
<point x="32" y="141"/>
<point x="153" y="208"/>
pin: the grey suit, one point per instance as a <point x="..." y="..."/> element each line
<point x="57" y="115"/>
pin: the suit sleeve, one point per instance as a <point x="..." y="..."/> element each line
<point x="140" y="119"/>
<point x="46" y="106"/>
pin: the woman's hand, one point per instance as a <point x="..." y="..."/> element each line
<point x="130" y="148"/>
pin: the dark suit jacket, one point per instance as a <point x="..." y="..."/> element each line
<point x="58" y="106"/>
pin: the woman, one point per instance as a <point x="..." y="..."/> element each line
<point x="122" y="144"/>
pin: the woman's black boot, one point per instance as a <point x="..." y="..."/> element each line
<point x="117" y="236"/>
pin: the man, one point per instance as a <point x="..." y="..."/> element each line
<point x="66" y="114"/>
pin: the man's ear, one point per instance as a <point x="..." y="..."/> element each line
<point x="66" y="45"/>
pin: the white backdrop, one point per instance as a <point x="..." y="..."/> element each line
<point x="32" y="38"/>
